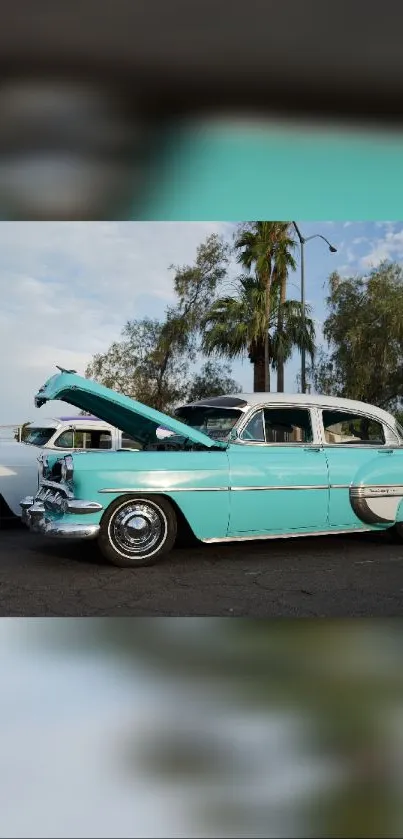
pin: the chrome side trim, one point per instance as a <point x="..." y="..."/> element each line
<point x="148" y="490"/>
<point x="376" y="491"/>
<point x="268" y="536"/>
<point x="279" y="488"/>
<point x="213" y="489"/>
<point x="369" y="491"/>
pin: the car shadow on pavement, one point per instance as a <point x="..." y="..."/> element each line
<point x="218" y="553"/>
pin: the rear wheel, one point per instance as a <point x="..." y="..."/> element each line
<point x="137" y="531"/>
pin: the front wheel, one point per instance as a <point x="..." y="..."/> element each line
<point x="137" y="531"/>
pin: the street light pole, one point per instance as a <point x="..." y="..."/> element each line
<point x="302" y="239"/>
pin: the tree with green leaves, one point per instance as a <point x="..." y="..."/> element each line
<point x="143" y="365"/>
<point x="364" y="334"/>
<point x="237" y="325"/>
<point x="212" y="380"/>
<point x="152" y="362"/>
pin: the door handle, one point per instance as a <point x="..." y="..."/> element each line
<point x="385" y="451"/>
<point x="313" y="449"/>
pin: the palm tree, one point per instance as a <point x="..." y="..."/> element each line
<point x="266" y="247"/>
<point x="238" y="325"/>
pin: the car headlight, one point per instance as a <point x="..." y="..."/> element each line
<point x="67" y="468"/>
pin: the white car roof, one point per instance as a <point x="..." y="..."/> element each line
<point x="250" y="400"/>
<point x="54" y="422"/>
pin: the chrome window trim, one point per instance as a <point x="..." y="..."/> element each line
<point x="387" y="444"/>
<point x="372" y="446"/>
<point x="242" y="424"/>
<point x="316" y="439"/>
<point x="295" y="444"/>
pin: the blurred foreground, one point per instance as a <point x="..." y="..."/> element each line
<point x="201" y="727"/>
<point x="110" y="111"/>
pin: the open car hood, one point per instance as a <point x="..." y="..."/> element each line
<point x="135" y="419"/>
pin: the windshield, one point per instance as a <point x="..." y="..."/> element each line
<point x="217" y="423"/>
<point x="39" y="436"/>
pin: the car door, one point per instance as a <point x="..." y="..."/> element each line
<point x="278" y="473"/>
<point x="351" y="439"/>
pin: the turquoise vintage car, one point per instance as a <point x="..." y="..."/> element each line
<point x="248" y="466"/>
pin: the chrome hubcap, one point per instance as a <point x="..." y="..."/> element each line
<point x="137" y="528"/>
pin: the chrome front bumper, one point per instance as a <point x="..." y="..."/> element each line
<point x="57" y="498"/>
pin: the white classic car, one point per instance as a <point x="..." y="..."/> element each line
<point x="22" y="463"/>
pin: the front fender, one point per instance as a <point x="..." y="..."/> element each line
<point x="197" y="481"/>
<point x="376" y="493"/>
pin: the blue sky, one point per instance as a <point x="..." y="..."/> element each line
<point x="67" y="289"/>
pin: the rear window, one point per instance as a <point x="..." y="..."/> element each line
<point x="344" y="427"/>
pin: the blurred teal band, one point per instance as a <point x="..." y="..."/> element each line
<point x="265" y="171"/>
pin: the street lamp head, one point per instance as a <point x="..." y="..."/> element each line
<point x="332" y="249"/>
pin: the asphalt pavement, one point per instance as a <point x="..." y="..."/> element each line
<point x="336" y="576"/>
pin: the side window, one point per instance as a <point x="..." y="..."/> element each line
<point x="97" y="440"/>
<point x="64" y="440"/>
<point x="288" y="425"/>
<point x="254" y="429"/>
<point x="342" y="428"/>
<point x="129" y="442"/>
<point x="84" y="440"/>
<point x="104" y="441"/>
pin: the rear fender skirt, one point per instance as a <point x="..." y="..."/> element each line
<point x="376" y="504"/>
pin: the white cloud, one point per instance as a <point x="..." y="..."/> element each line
<point x="66" y="290"/>
<point x="390" y="247"/>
